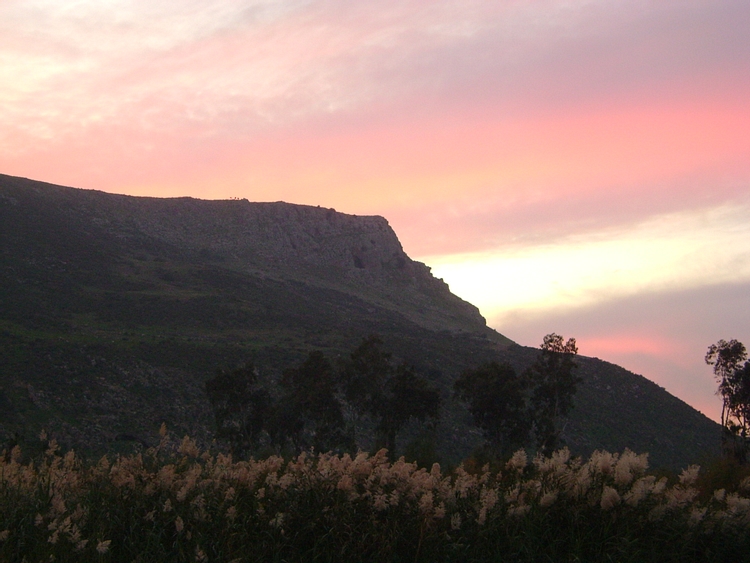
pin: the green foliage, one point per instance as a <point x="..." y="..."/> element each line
<point x="309" y="412"/>
<point x="506" y="407"/>
<point x="389" y="396"/>
<point x="365" y="375"/>
<point x="406" y="396"/>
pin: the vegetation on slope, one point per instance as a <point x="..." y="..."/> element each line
<point x="113" y="315"/>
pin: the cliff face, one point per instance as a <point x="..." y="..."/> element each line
<point x="359" y="255"/>
<point x="114" y="310"/>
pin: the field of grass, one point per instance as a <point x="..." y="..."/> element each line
<point x="176" y="503"/>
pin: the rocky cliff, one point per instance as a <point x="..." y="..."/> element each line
<point x="114" y="310"/>
<point x="360" y="255"/>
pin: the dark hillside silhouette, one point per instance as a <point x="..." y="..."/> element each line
<point x="115" y="310"/>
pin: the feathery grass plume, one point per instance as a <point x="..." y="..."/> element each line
<point x="189" y="448"/>
<point x="103" y="546"/>
<point x="690" y="475"/>
<point x="168" y="501"/>
<point x="610" y="498"/>
<point x="548" y="499"/>
<point x="456" y="521"/>
<point x="640" y="489"/>
<point x="628" y="466"/>
<point x="518" y="461"/>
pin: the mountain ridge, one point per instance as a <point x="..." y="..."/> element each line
<point x="263" y="238"/>
<point x="116" y="309"/>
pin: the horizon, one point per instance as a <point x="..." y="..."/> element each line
<point x="572" y="167"/>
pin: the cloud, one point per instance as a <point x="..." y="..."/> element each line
<point x="672" y="251"/>
<point x="661" y="335"/>
<point x="238" y="67"/>
<point x="600" y="144"/>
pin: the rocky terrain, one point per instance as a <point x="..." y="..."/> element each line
<point x="115" y="309"/>
<point x="358" y="255"/>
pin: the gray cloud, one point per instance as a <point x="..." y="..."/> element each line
<point x="680" y="324"/>
<point x="488" y="224"/>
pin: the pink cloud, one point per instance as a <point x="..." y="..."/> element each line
<point x="636" y="343"/>
<point x="662" y="336"/>
<point x="469" y="125"/>
<point x="480" y="176"/>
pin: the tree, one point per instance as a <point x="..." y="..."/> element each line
<point x="365" y="374"/>
<point x="389" y="397"/>
<point x="734" y="388"/>
<point x="312" y="400"/>
<point x="240" y="405"/>
<point x="554" y="386"/>
<point x="726" y="358"/>
<point x="740" y="403"/>
<point x="309" y="413"/>
<point x="406" y="396"/>
<point x="496" y="396"/>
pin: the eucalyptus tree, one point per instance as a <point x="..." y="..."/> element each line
<point x="241" y="407"/>
<point x="406" y="396"/>
<point x="554" y="382"/>
<point x="309" y="413"/>
<point x="384" y="396"/>
<point x="497" y="400"/>
<point x="732" y="372"/>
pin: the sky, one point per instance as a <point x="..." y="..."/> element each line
<point x="579" y="166"/>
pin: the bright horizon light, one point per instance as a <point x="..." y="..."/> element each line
<point x="675" y="251"/>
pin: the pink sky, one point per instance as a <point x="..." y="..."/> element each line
<point x="591" y="160"/>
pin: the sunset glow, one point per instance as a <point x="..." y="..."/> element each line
<point x="578" y="167"/>
<point x="677" y="251"/>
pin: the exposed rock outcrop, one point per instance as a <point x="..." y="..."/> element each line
<point x="360" y="255"/>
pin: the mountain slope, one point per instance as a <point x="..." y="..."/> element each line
<point x="115" y="309"/>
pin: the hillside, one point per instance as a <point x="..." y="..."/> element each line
<point x="115" y="309"/>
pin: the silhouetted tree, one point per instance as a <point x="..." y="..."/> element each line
<point x="389" y="397"/>
<point x="496" y="397"/>
<point x="734" y="388"/>
<point x="406" y="396"/>
<point x="726" y="358"/>
<point x="309" y="412"/>
<point x="554" y="385"/>
<point x="365" y="373"/>
<point x="240" y="406"/>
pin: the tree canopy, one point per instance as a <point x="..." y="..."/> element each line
<point x="389" y="396"/>
<point x="732" y="372"/>
<point x="309" y="412"/>
<point x="317" y="404"/>
<point x="507" y="407"/>
<point x="367" y="400"/>
<point x="240" y="405"/>
<point x="554" y="384"/>
<point x="496" y="397"/>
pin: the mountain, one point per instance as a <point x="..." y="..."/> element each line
<point x="114" y="310"/>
